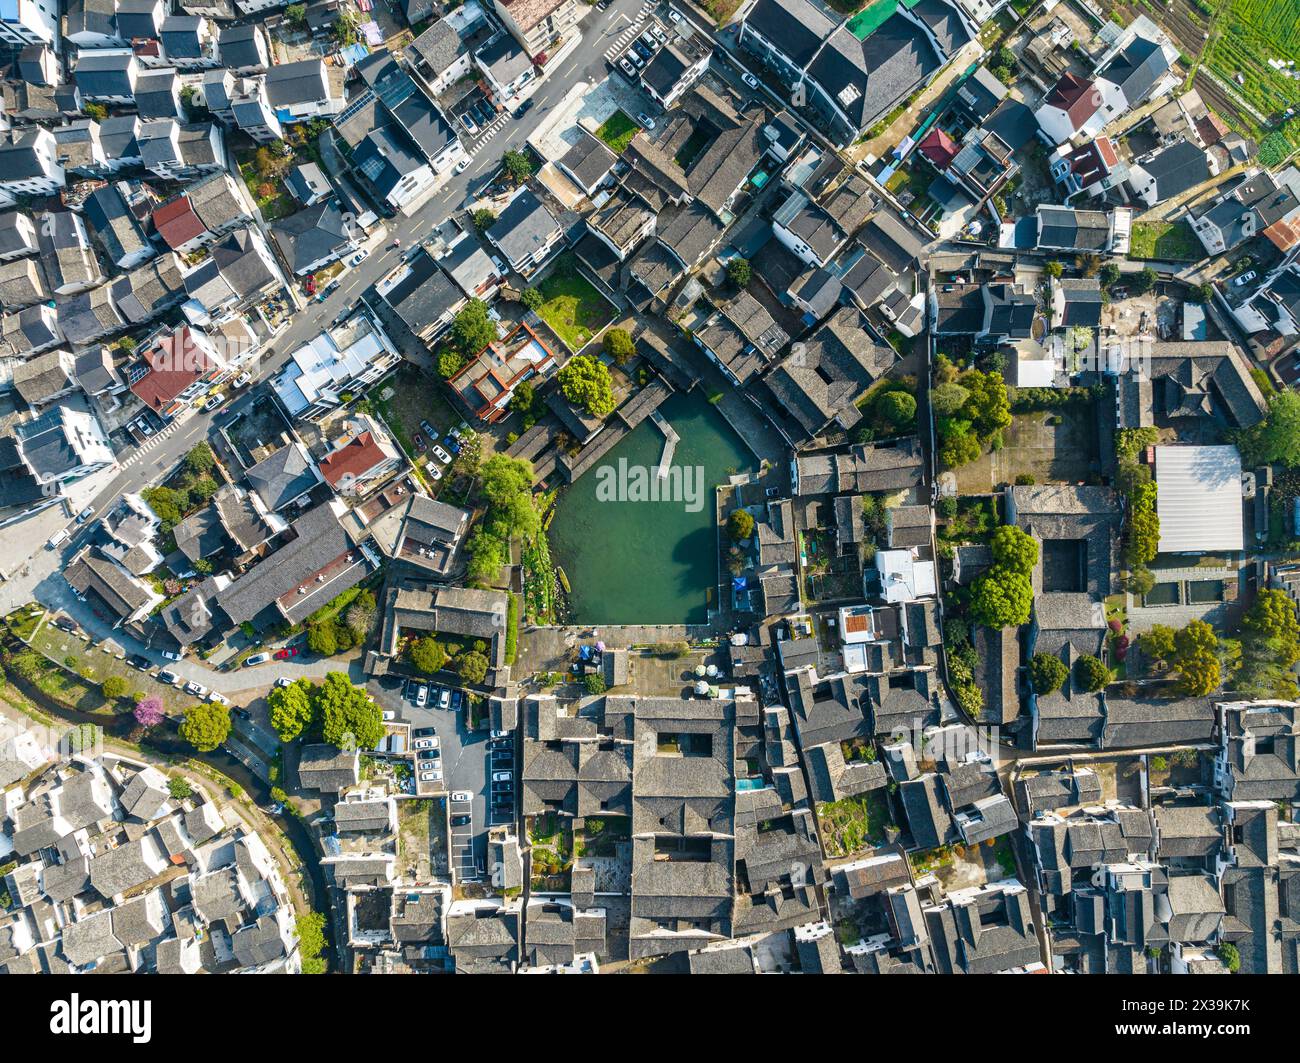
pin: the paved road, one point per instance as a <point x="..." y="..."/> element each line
<point x="152" y="462"/>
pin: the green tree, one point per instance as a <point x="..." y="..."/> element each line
<point x="113" y="687"/>
<point x="179" y="788"/>
<point x="450" y="362"/>
<point x="1140" y="581"/>
<point x="205" y="726"/>
<point x="322" y="638"/>
<point x="948" y="399"/>
<point x="1143" y="281"/>
<point x="200" y="460"/>
<point x="518" y="165"/>
<point x="585" y="382"/>
<point x="349" y="718"/>
<point x="1014" y="549"/>
<point x="532" y="298"/>
<point x="473" y="329"/>
<point x="1158" y="643"/>
<point x="1047" y="673"/>
<point x="1108" y="274"/>
<point x="97" y="111"/>
<point x="1277" y="437"/>
<point x="428" y="655"/>
<point x="988" y="407"/>
<point x="897" y="409"/>
<point x="522" y="400"/>
<point x="484" y="219"/>
<point x="311" y="942"/>
<point x="1229" y="956"/>
<point x="618" y="345"/>
<point x="473" y="666"/>
<point x="740" y="525"/>
<point x="739" y="272"/>
<point x="296" y="14"/>
<point x="1054" y="268"/>
<point x="1196" y="657"/>
<point x="1001" y="598"/>
<point x="1270" y="647"/>
<point x="487" y="555"/>
<point x="292" y="709"/>
<point x="1090" y="673"/>
<point x="507" y="485"/>
<point x="594" y="683"/>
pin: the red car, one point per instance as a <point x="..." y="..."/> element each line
<point x="286" y="653"/>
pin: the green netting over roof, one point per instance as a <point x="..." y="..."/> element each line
<point x="868" y="20"/>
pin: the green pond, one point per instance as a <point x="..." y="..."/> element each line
<point x="649" y="562"/>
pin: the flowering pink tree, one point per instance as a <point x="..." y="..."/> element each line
<point x="149" y="711"/>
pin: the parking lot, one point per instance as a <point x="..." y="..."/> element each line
<point x="466" y="761"/>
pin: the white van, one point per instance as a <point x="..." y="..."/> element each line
<point x="57" y="539"/>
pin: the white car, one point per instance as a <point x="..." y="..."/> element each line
<point x="422" y="696"/>
<point x="219" y="699"/>
<point x="213" y="402"/>
<point x="389" y="714"/>
<point x="241" y="380"/>
<point x="461" y="797"/>
<point x="257" y="658"/>
<point x="284" y="681"/>
<point x="627" y="68"/>
<point x="674" y="14"/>
<point x="441" y="454"/>
<point x="359" y="257"/>
<point x="170" y="678"/>
<point x="468" y="123"/>
<point x="503" y="776"/>
<point x="423" y="743"/>
<point x="462" y="166"/>
<point x="434" y="472"/>
<point x="646" y="121"/>
<point x="85" y="514"/>
<point x="659" y="34"/>
<point x="749" y="79"/>
<point x="494" y="735"/>
<point x="433" y="775"/>
<point x="1245" y="278"/>
<point x="444" y="698"/>
<point x="197" y="689"/>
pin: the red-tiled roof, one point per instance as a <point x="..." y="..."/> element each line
<point x="939" y="148"/>
<point x="174" y="364"/>
<point x="1076" y="97"/>
<point x="177" y="223"/>
<point x="352" y="459"/>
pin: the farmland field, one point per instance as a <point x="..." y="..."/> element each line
<point x="1243" y="36"/>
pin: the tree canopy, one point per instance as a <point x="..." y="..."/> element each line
<point x="205" y="726"/>
<point x="585" y="381"/>
<point x="348" y="716"/>
<point x="1196" y="657"/>
<point x="618" y="345"/>
<point x="428" y="655"/>
<point x="291" y="709"/>
<point x="473" y="666"/>
<point x="473" y="329"/>
<point x="1014" y="548"/>
<point x="1277" y="437"/>
<point x="740" y="525"/>
<point x="1047" y="673"/>
<point x="1090" y="673"/>
<point x="1002" y="598"/>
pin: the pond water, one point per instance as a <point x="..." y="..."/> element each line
<point x="632" y="561"/>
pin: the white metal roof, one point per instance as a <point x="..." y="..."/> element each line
<point x="1198" y="499"/>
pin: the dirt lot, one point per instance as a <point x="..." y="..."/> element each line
<point x="1061" y="453"/>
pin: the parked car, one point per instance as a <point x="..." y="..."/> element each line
<point x="85" y="514"/>
<point x="57" y="539"/>
<point x="213" y="402"/>
<point x="452" y="444"/>
<point x="441" y="454"/>
<point x="462" y="820"/>
<point x="423" y="732"/>
<point x="285" y="653"/>
<point x="433" y="471"/>
<point x="284" y="681"/>
<point x="257" y="658"/>
<point x="749" y="79"/>
<point x="198" y="690"/>
<point x="503" y="776"/>
<point x="469" y="125"/>
<point x="422" y="696"/>
<point x="429" y="430"/>
<point x="389" y="714"/>
<point x="140" y="661"/>
<point x="66" y="623"/>
<point x="422" y="743"/>
<point x="1245" y="278"/>
<point x="434" y="775"/>
<point x="444" y="699"/>
<point x="674" y="14"/>
<point x="243" y="714"/>
<point x="646" y="120"/>
<point x="241" y="380"/>
<point x="427" y="754"/>
<point x="494" y="735"/>
<point x="219" y="699"/>
<point x="462" y="166"/>
<point x="359" y="257"/>
<point x="461" y="796"/>
<point x="170" y="678"/>
<point x="523" y="108"/>
<point x="659" y="35"/>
